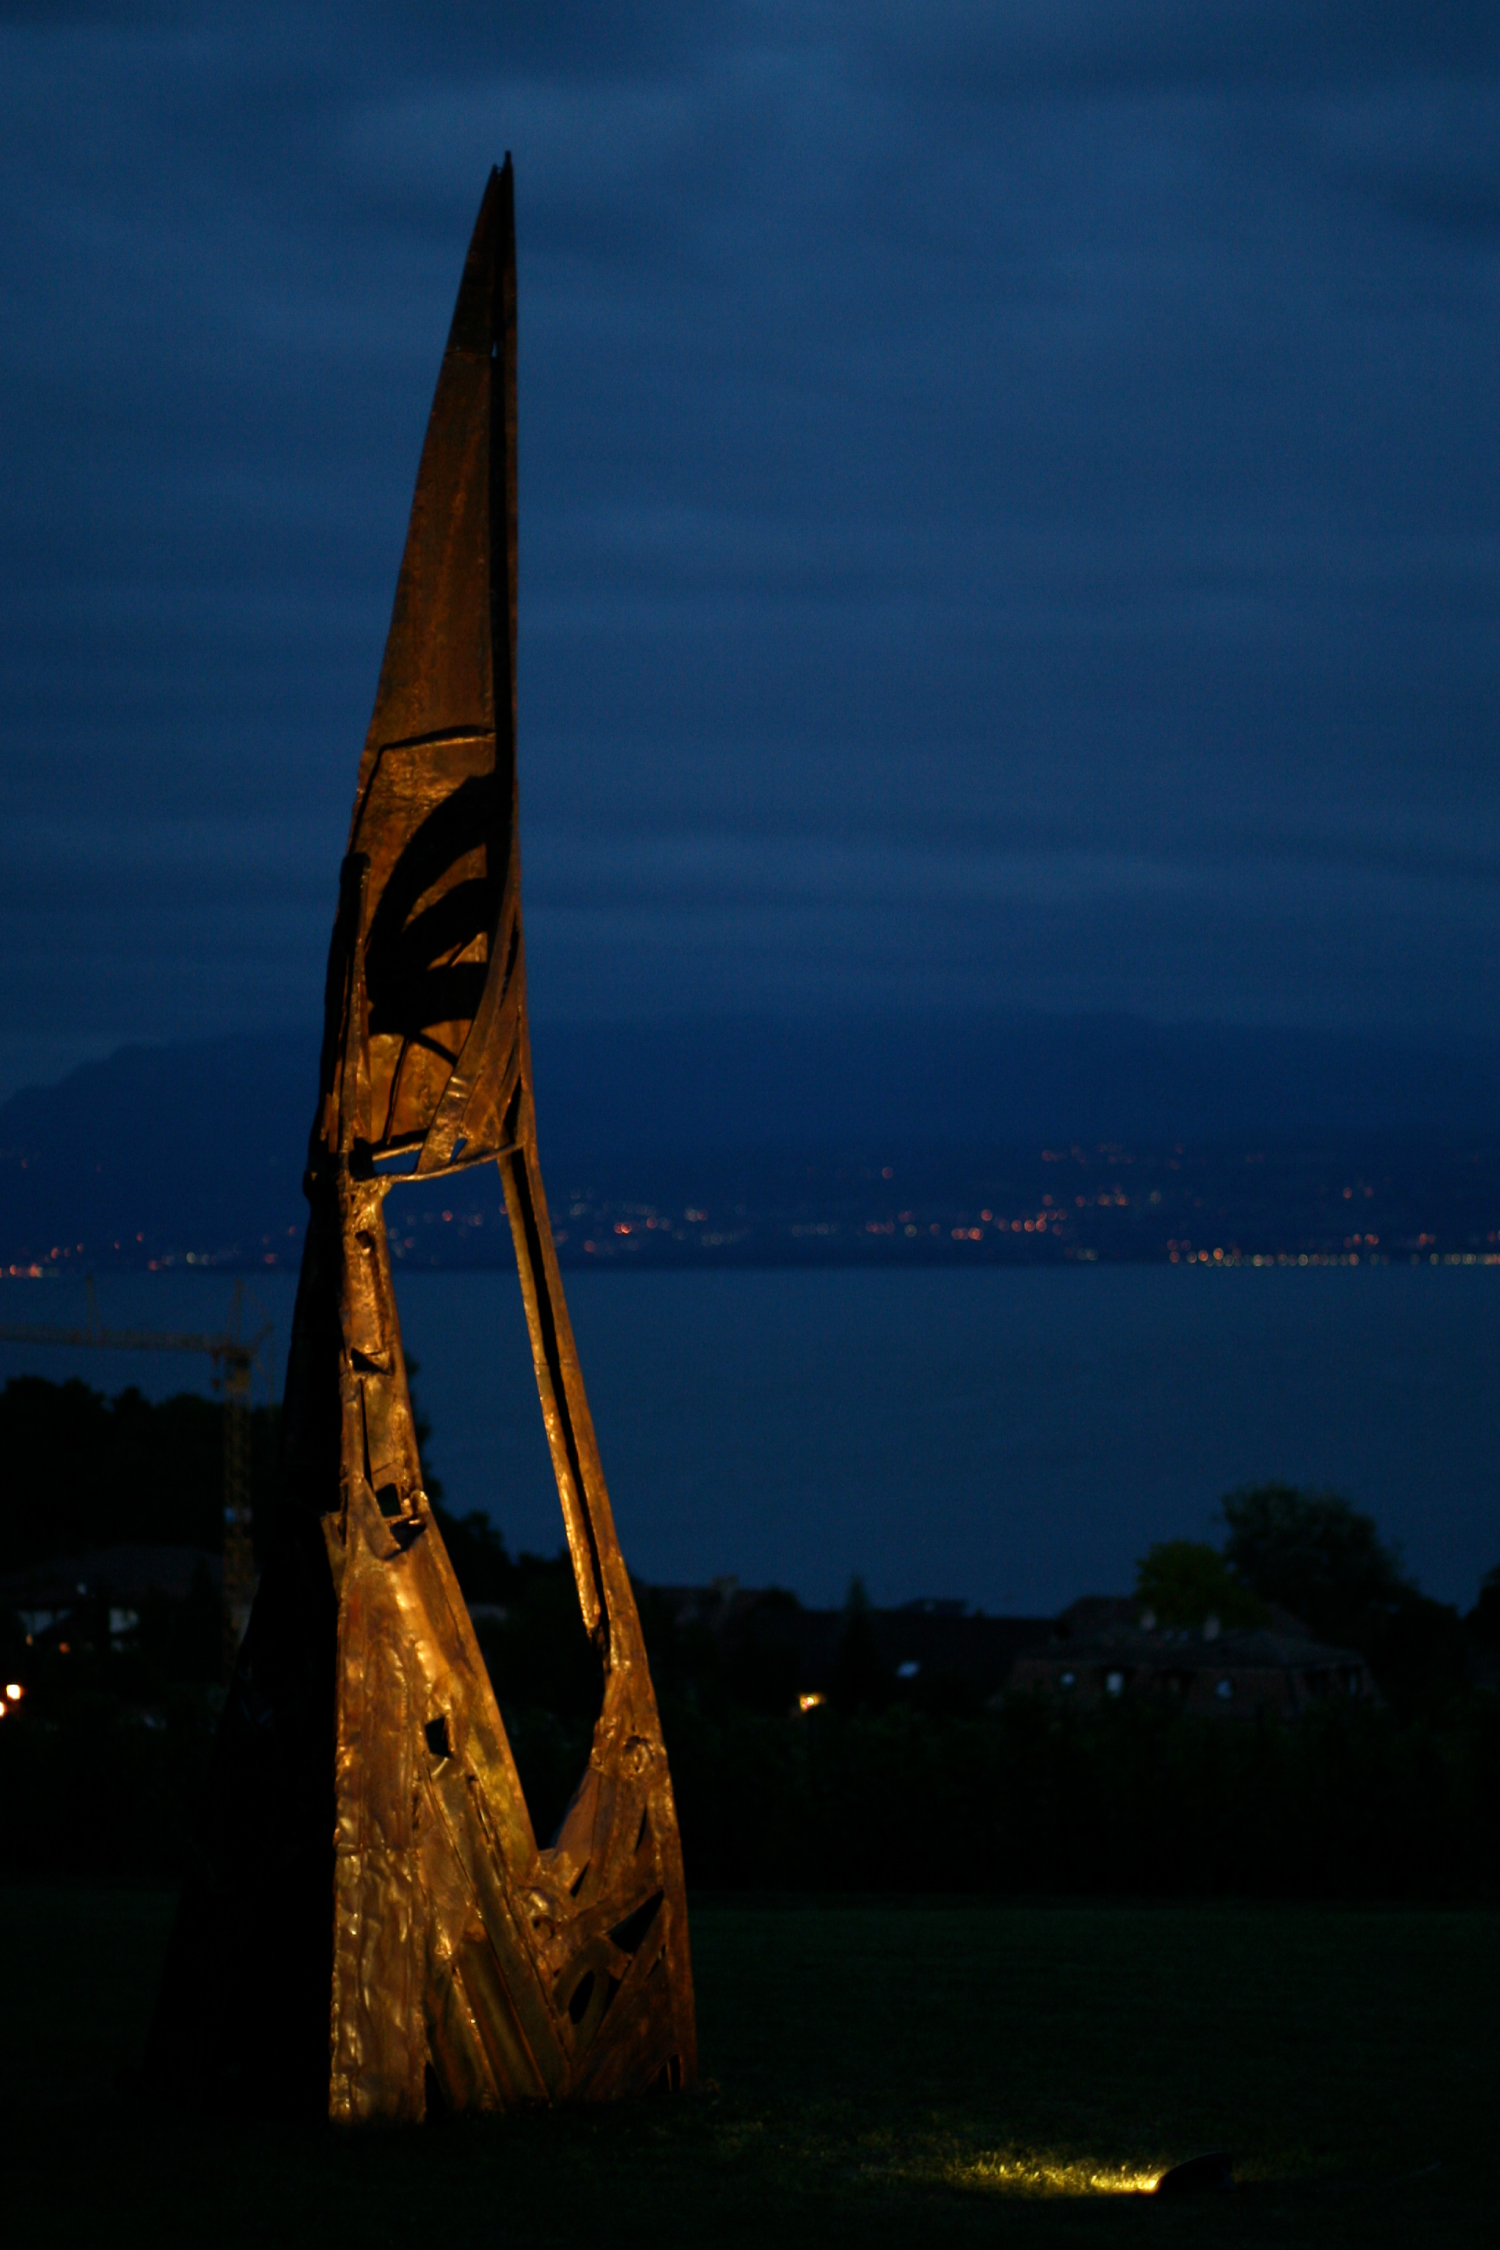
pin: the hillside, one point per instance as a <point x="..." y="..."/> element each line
<point x="199" y="1147"/>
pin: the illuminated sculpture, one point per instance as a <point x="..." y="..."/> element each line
<point x="370" y="1927"/>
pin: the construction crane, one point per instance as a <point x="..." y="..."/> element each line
<point x="233" y="1357"/>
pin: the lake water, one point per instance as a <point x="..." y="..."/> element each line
<point x="1007" y="1436"/>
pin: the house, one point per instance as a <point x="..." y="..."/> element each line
<point x="1104" y="1648"/>
<point x="98" y="1595"/>
<point x="918" y="1646"/>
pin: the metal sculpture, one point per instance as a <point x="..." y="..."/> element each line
<point x="371" y="1926"/>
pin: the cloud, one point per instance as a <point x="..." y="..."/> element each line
<point x="974" y="48"/>
<point x="1055" y="437"/>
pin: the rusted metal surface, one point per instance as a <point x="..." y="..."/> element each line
<point x="363" y="1754"/>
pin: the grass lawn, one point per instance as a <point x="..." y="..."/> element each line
<point x="882" y="2075"/>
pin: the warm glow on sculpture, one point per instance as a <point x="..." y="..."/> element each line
<point x="371" y="1927"/>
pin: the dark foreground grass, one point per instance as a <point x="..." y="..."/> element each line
<point x="883" y="2075"/>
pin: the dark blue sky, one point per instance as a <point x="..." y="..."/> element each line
<point x="1009" y="498"/>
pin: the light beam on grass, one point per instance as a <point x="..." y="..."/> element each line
<point x="1051" y="2175"/>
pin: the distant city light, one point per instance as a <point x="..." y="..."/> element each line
<point x="810" y="1702"/>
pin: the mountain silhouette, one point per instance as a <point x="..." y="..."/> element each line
<point x="202" y="1142"/>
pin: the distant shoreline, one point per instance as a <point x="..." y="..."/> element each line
<point x="727" y="1258"/>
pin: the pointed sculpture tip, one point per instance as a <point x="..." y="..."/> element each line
<point x="491" y="251"/>
<point x="500" y="194"/>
